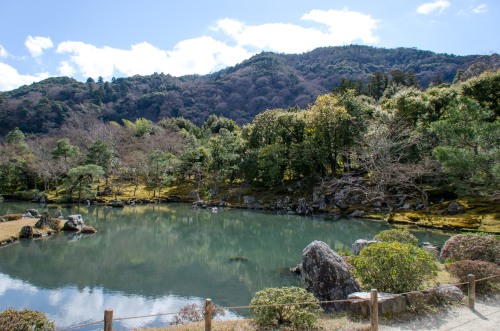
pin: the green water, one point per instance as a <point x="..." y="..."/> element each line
<point x="157" y="258"/>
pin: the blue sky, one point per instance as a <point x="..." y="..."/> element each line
<point x="120" y="38"/>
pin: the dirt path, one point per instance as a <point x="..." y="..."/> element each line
<point x="485" y="317"/>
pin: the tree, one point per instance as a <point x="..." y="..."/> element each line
<point x="140" y="127"/>
<point x="377" y="83"/>
<point x="329" y="128"/>
<point x="161" y="168"/>
<point x="65" y="150"/>
<point x="15" y="136"/>
<point x="194" y="161"/>
<point x="102" y="155"/>
<point x="81" y="175"/>
<point x="14" y="157"/>
<point x="468" y="144"/>
<point x="271" y="164"/>
<point x="226" y="148"/>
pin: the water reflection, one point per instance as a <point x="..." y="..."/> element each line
<point x="70" y="306"/>
<point x="146" y="259"/>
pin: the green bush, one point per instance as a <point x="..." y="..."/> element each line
<point x="398" y="235"/>
<point x="296" y="316"/>
<point x="480" y="269"/>
<point x="25" y="320"/>
<point x="472" y="247"/>
<point x="394" y="267"/>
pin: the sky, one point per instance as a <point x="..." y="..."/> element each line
<point x="122" y="38"/>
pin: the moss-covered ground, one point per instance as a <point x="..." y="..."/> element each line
<point x="480" y="215"/>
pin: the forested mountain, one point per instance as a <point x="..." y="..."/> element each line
<point x="265" y="81"/>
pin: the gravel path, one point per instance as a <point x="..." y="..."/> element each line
<point x="485" y="317"/>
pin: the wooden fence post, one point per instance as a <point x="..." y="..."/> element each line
<point x="374" y="310"/>
<point x="108" y="320"/>
<point x="208" y="315"/>
<point x="472" y="290"/>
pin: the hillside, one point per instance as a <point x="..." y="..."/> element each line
<point x="262" y="82"/>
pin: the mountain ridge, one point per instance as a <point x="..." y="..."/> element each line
<point x="264" y="81"/>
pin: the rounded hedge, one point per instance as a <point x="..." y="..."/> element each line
<point x="297" y="316"/>
<point x="472" y="247"/>
<point x="480" y="269"/>
<point x="398" y="235"/>
<point x="25" y="320"/>
<point x="394" y="267"/>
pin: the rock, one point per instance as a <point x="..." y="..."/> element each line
<point x="251" y="202"/>
<point x="302" y="207"/>
<point x="238" y="259"/>
<point x="58" y="214"/>
<point x="88" y="229"/>
<point x="419" y="206"/>
<point x="448" y="293"/>
<point x="26" y="232"/>
<point x="33" y="212"/>
<point x="387" y="303"/>
<point x="341" y="204"/>
<point x="430" y="248"/>
<point x="317" y="196"/>
<point x="74" y="223"/>
<point x="11" y="217"/>
<point x="357" y="213"/>
<point x="360" y="244"/>
<point x="43" y="221"/>
<point x="418" y="300"/>
<point x="297" y="269"/>
<point x="116" y="203"/>
<point x="326" y="275"/>
<point x="405" y="206"/>
<point x="455" y="208"/>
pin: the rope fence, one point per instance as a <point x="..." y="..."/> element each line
<point x="209" y="308"/>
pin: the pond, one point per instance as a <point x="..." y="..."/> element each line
<point x="152" y="259"/>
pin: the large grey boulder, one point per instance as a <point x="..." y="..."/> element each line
<point x="326" y="275"/>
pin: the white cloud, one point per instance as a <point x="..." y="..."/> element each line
<point x="429" y="7"/>
<point x="236" y="42"/>
<point x="193" y="56"/>
<point x="65" y="69"/>
<point x="346" y="26"/>
<point x="482" y="8"/>
<point x="337" y="27"/>
<point x="10" y="78"/>
<point x="36" y="45"/>
<point x="3" y="52"/>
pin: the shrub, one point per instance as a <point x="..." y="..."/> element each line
<point x="398" y="235"/>
<point x="296" y="316"/>
<point x="195" y="313"/>
<point x="472" y="247"/>
<point x="480" y="269"/>
<point x="25" y="320"/>
<point x="394" y="267"/>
